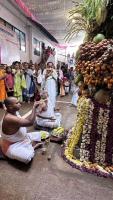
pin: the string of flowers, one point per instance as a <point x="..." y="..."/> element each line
<point x="76" y="132"/>
<point x="92" y="123"/>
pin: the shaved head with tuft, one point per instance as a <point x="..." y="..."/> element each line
<point x="9" y="101"/>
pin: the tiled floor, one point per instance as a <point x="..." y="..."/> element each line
<point x="54" y="179"/>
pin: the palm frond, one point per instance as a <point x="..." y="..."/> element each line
<point x="86" y="16"/>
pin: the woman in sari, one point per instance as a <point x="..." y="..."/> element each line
<point x="9" y="81"/>
<point x="3" y="93"/>
<point x="19" y="82"/>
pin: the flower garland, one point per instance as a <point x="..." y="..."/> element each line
<point x="109" y="138"/>
<point x="94" y="124"/>
<point x="73" y="138"/>
<point x="85" y="144"/>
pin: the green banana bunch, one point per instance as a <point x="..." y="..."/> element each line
<point x="96" y="10"/>
<point x="101" y="12"/>
<point x="58" y="131"/>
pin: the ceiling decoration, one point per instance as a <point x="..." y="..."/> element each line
<point x="52" y="14"/>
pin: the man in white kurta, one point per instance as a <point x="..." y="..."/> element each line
<point x="49" y="82"/>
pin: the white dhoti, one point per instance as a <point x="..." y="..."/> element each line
<point x="23" y="150"/>
<point x="74" y="99"/>
<point x="75" y="96"/>
<point x="66" y="89"/>
<point x="18" y="146"/>
<point x="48" y="123"/>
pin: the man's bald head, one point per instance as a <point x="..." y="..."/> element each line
<point x="9" y="101"/>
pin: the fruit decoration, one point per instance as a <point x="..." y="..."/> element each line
<point x="78" y="78"/>
<point x="44" y="135"/>
<point x="89" y="16"/>
<point x="98" y="38"/>
<point x="95" y="64"/>
<point x="58" y="131"/>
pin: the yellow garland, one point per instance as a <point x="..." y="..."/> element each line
<point x="83" y="107"/>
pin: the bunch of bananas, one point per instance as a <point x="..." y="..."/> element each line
<point x="101" y="11"/>
<point x="58" y="131"/>
<point x="96" y="10"/>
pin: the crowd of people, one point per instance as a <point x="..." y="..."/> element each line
<point x="24" y="81"/>
<point x="17" y="80"/>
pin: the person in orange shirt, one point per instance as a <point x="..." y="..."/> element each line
<point x="3" y="93"/>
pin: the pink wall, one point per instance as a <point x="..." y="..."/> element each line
<point x="14" y="17"/>
<point x="9" y="47"/>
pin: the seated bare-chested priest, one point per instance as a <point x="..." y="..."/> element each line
<point x="16" y="142"/>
